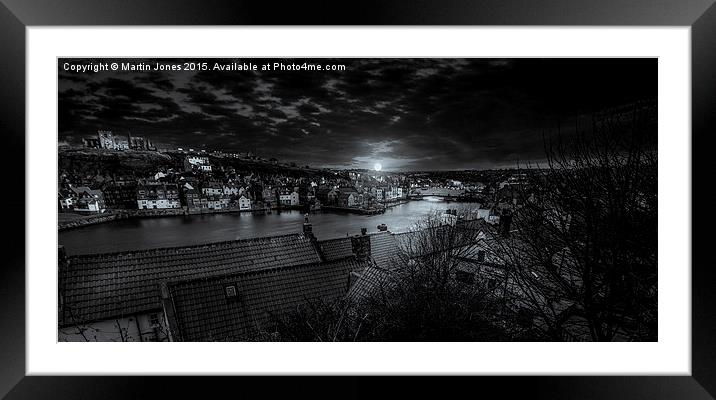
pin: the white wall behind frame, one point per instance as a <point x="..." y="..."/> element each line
<point x="671" y="355"/>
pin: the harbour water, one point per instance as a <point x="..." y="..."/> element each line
<point x="135" y="234"/>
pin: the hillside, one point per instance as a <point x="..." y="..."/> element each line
<point x="92" y="162"/>
<point x="82" y="164"/>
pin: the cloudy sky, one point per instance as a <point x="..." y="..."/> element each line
<point x="407" y="114"/>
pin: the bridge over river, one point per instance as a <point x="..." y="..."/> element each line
<point x="439" y="192"/>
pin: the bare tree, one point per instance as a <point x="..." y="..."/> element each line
<point x="419" y="298"/>
<point x="582" y="255"/>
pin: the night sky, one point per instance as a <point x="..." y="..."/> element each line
<point x="407" y="114"/>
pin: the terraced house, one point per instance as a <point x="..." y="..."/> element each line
<point x="157" y="195"/>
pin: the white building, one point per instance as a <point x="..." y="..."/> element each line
<point x="197" y="162"/>
<point x="378" y="193"/>
<point x="160" y="204"/>
<point x="92" y="205"/>
<point x="213" y="189"/>
<point x="153" y="196"/>
<point x="121" y="144"/>
<point x="244" y="203"/>
<point x="218" y="203"/>
<point x="354" y="200"/>
<point x="88" y="200"/>
<point x="395" y="192"/>
<point x="289" y="199"/>
<point x="231" y="190"/>
<point x="106" y="139"/>
<point x="350" y="198"/>
<point x="67" y="200"/>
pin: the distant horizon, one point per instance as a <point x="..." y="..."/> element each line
<point x="209" y="152"/>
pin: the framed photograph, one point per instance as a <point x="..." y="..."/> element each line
<point x="474" y="190"/>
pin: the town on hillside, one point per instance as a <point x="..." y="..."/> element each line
<point x="507" y="258"/>
<point x="125" y="176"/>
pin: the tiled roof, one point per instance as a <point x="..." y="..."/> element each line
<point x="369" y="282"/>
<point x="203" y="312"/>
<point x="403" y="239"/>
<point x="385" y="251"/>
<point x="334" y="249"/>
<point x="102" y="286"/>
<point x="413" y="243"/>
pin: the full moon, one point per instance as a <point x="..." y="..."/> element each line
<point x="377" y="167"/>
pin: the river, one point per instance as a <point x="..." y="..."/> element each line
<point x="146" y="233"/>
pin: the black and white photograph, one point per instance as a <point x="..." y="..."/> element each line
<point x="357" y="200"/>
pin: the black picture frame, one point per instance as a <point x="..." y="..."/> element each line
<point x="16" y="15"/>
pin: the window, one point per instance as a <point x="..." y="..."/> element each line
<point x="154" y="319"/>
<point x="481" y="255"/>
<point x="230" y="292"/>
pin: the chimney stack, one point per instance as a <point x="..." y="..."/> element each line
<point x="505" y="222"/>
<point x="308" y="232"/>
<point x="360" y="244"/>
<point x="307" y="227"/>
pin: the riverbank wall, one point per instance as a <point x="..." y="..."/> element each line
<point x="67" y="221"/>
<point x="77" y="221"/>
<point x="70" y="220"/>
<point x="393" y="203"/>
<point x="351" y="210"/>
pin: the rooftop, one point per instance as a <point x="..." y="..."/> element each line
<point x="385" y="251"/>
<point x="334" y="249"/>
<point x="203" y="310"/>
<point x="370" y="281"/>
<point x="102" y="286"/>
